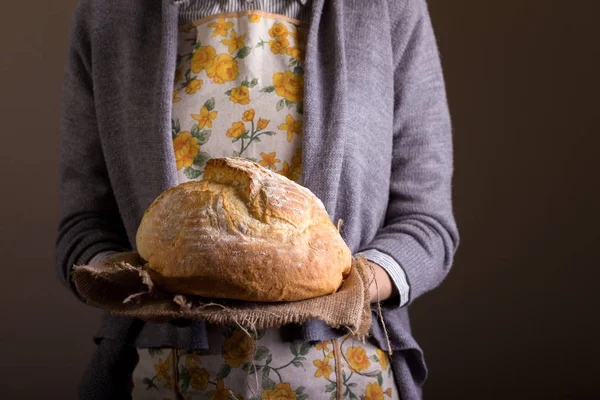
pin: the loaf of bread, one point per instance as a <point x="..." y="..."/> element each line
<point x="243" y="232"/>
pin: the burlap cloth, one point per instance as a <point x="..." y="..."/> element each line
<point x="127" y="290"/>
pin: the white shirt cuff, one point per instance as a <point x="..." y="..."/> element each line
<point x="101" y="257"/>
<point x="395" y="271"/>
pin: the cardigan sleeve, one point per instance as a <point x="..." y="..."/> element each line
<point x="419" y="232"/>
<point x="89" y="221"/>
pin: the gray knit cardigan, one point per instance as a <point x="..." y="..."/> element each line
<point x="377" y="150"/>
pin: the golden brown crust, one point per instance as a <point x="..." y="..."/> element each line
<point x="244" y="232"/>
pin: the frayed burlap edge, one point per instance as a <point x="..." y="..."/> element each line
<point x="127" y="290"/>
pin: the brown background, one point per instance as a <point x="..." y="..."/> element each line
<point x="517" y="317"/>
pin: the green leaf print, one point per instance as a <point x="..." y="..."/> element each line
<point x="228" y="93"/>
<point x="333" y="396"/>
<point x="269" y="359"/>
<point x="288" y="103"/>
<point x="330" y="387"/>
<point x="175" y="128"/>
<point x="223" y="372"/>
<point x="297" y="364"/>
<point x="352" y="395"/>
<point x="298" y="70"/>
<point x="210" y="104"/>
<point x="280" y="104"/>
<point x="300" y="390"/>
<point x="294" y="349"/>
<point x="268" y="89"/>
<point x="243" y="53"/>
<point x="202" y="136"/>
<point x="251" y="369"/>
<point x="191" y="173"/>
<point x="261" y="43"/>
<point x="300" y="108"/>
<point x="201" y="159"/>
<point x="261" y="353"/>
<point x="292" y="62"/>
<point x="195" y="131"/>
<point x="304" y="349"/>
<point x="270" y="133"/>
<point x="380" y="379"/>
<point x="374" y="358"/>
<point x="267" y="382"/>
<point x="155" y="352"/>
<point x="253" y="83"/>
<point x="149" y="384"/>
<point x="184" y="377"/>
<point x="301" y="397"/>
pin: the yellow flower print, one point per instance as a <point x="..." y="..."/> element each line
<point x="322" y="345"/>
<point x="163" y="370"/>
<point x="297" y="163"/>
<point x="186" y="149"/>
<point x="357" y="358"/>
<point x="175" y="98"/>
<point x="254" y="18"/>
<point x="194" y="86"/>
<point x="279" y="45"/>
<point x="203" y="58"/>
<point x="223" y="69"/>
<point x="237" y="129"/>
<point x="240" y="95"/>
<point x="388" y="392"/>
<point x="205" y="117"/>
<point x="198" y="377"/>
<point x="221" y="393"/>
<point x="221" y="27"/>
<point x="383" y="359"/>
<point x="262" y="123"/>
<point x="287" y="171"/>
<point x="291" y="126"/>
<point x="282" y="391"/>
<point x="178" y="75"/>
<point x="238" y="348"/>
<point x="234" y="42"/>
<point x="269" y="160"/>
<point x="248" y="115"/>
<point x="295" y="52"/>
<point x="191" y="358"/>
<point x="289" y="86"/>
<point x="373" y="392"/>
<point x="278" y="29"/>
<point x="298" y="35"/>
<point x="323" y="368"/>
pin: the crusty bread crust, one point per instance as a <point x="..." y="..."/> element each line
<point x="243" y="232"/>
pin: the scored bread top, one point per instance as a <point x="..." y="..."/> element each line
<point x="242" y="232"/>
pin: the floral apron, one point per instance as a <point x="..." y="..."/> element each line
<point x="240" y="365"/>
<point x="238" y="92"/>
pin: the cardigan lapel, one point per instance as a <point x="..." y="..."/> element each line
<point x="152" y="168"/>
<point x="324" y="103"/>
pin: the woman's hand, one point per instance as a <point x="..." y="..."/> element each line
<point x="382" y="283"/>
